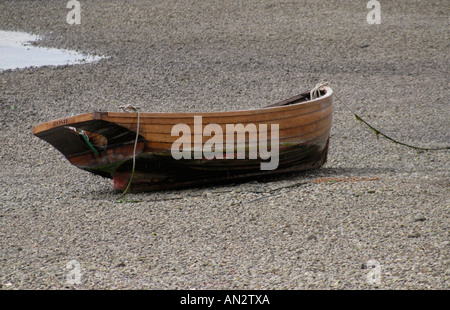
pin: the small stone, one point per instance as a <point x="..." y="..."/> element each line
<point x="207" y="195"/>
<point x="420" y="219"/>
<point x="312" y="237"/>
<point x="414" y="235"/>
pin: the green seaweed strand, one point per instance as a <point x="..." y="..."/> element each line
<point x="378" y="133"/>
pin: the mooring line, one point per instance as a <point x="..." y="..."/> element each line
<point x="378" y="132"/>
<point x="315" y="93"/>
<point x="86" y="139"/>
<point x="135" y="109"/>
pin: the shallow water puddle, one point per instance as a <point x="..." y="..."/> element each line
<point x="16" y="51"/>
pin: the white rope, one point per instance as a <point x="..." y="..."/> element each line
<point x="130" y="108"/>
<point x="315" y="92"/>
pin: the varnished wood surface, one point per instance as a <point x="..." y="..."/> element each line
<point x="288" y="116"/>
<point x="302" y="142"/>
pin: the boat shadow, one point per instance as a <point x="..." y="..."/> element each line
<point x="307" y="176"/>
<point x="326" y="172"/>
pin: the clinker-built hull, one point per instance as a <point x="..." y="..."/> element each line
<point x="154" y="151"/>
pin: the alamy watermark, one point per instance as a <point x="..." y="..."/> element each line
<point x="74" y="274"/>
<point x="374" y="275"/>
<point x="374" y="16"/>
<point x="216" y="147"/>
<point x="74" y="15"/>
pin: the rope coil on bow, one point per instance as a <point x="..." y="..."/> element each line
<point x="315" y="92"/>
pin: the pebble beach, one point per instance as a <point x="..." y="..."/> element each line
<point x="373" y="201"/>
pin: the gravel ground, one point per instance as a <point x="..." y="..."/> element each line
<point x="288" y="232"/>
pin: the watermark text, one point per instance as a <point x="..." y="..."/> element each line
<point x="74" y="15"/>
<point x="231" y="144"/>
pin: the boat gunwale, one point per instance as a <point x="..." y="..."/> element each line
<point x="85" y="117"/>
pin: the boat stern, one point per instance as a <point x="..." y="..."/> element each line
<point x="90" y="143"/>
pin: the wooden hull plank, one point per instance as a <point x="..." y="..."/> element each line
<point x="103" y="143"/>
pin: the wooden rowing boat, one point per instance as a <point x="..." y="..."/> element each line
<point x="143" y="147"/>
